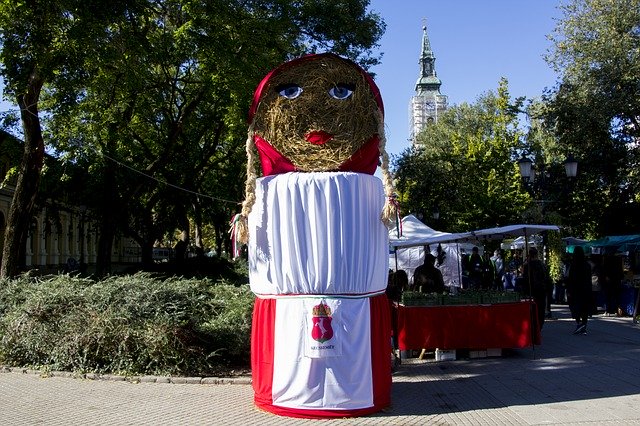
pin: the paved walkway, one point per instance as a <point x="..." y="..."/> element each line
<point x="568" y="380"/>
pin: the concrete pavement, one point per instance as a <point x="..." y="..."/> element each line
<point x="568" y="380"/>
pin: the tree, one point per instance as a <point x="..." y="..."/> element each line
<point x="41" y="42"/>
<point x="464" y="164"/>
<point x="595" y="108"/>
<point x="157" y="111"/>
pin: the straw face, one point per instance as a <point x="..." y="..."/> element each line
<point x="317" y="113"/>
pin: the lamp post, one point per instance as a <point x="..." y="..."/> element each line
<point x="527" y="171"/>
<point x="536" y="180"/>
<point x="541" y="185"/>
<point x="524" y="164"/>
<point x="571" y="166"/>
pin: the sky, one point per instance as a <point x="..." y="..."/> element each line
<point x="475" y="44"/>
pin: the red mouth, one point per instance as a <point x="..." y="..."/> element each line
<point x="318" y="137"/>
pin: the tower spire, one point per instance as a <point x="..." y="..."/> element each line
<point x="428" y="102"/>
<point x="428" y="80"/>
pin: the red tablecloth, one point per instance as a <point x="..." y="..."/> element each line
<point x="503" y="325"/>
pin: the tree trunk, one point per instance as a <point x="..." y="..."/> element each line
<point x="20" y="212"/>
<point x="218" y="235"/>
<point x="107" y="224"/>
<point x="146" y="253"/>
<point x="197" y="219"/>
<point x="183" y="243"/>
<point x="105" y="245"/>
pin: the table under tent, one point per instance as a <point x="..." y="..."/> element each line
<point x="475" y="320"/>
<point x="519" y="243"/>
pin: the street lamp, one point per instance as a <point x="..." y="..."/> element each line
<point x="436" y="213"/>
<point x="527" y="172"/>
<point x="538" y="181"/>
<point x="571" y="166"/>
<point x="524" y="164"/>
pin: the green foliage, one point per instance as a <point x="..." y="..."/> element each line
<point x="556" y="255"/>
<point x="464" y="164"/>
<point x="149" y="97"/>
<point x="594" y="111"/>
<point x="167" y="96"/>
<point x="464" y="297"/>
<point x="132" y="325"/>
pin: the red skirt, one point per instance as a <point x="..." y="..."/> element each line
<point x="321" y="356"/>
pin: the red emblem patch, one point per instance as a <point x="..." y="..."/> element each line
<point x="322" y="330"/>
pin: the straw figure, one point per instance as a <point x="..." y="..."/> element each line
<point x="325" y="126"/>
<point x="315" y="224"/>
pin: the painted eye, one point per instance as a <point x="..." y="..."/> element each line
<point x="341" y="91"/>
<point x="289" y="91"/>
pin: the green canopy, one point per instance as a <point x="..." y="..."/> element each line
<point x="609" y="245"/>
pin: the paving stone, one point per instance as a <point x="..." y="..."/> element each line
<point x="568" y="380"/>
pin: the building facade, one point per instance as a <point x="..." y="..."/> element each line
<point x="428" y="102"/>
<point x="61" y="237"/>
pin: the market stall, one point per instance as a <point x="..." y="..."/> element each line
<point x="627" y="248"/>
<point x="484" y="321"/>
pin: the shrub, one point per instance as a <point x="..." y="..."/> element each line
<point x="132" y="325"/>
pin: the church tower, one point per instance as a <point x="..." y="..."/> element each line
<point x="428" y="102"/>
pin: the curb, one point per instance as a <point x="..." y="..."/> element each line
<point x="241" y="380"/>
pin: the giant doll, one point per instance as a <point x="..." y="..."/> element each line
<point x="315" y="226"/>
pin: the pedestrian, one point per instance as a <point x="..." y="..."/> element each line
<point x="579" y="289"/>
<point x="397" y="283"/>
<point x="488" y="272"/>
<point x="598" y="278"/>
<point x="499" y="268"/>
<point x="427" y="278"/>
<point x="476" y="268"/>
<point x="535" y="278"/>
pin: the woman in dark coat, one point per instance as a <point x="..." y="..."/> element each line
<point x="579" y="290"/>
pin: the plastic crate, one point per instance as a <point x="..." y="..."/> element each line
<point x="445" y="354"/>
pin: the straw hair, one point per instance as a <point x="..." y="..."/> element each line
<point x="284" y="123"/>
<point x="389" y="210"/>
<point x="242" y="227"/>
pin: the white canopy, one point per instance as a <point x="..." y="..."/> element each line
<point x="520" y="243"/>
<point x="512" y="231"/>
<point x="415" y="233"/>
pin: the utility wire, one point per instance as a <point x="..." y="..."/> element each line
<point x="165" y="182"/>
<point x="179" y="188"/>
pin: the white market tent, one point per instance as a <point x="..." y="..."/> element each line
<point x="413" y="233"/>
<point x="519" y="243"/>
<point x="408" y="242"/>
<point x="512" y="231"/>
